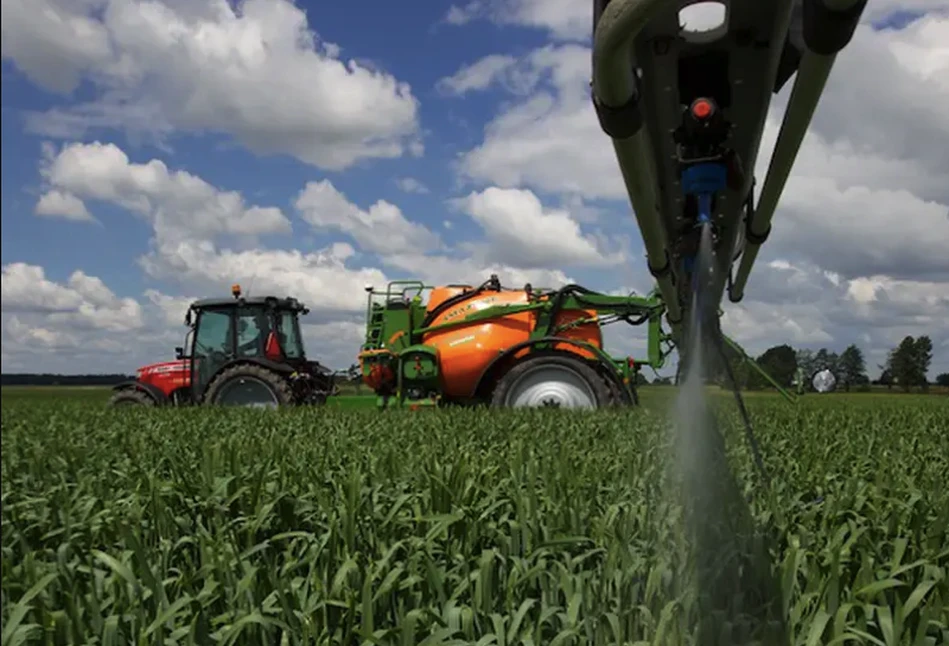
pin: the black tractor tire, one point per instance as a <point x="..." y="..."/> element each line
<point x="603" y="394"/>
<point x="276" y="383"/>
<point x="131" y="397"/>
<point x="619" y="398"/>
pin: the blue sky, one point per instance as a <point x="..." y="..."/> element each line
<point x="495" y="124"/>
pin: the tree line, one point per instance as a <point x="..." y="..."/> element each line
<point x="47" y="379"/>
<point x="906" y="367"/>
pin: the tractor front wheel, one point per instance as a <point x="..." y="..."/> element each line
<point x="249" y="385"/>
<point x="131" y="397"/>
<point x="552" y="381"/>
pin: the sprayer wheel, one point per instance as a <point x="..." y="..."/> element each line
<point x="552" y="380"/>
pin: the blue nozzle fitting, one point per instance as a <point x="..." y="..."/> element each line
<point x="703" y="181"/>
<point x="705" y="208"/>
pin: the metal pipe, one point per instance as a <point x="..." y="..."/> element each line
<point x="614" y="86"/>
<point x="808" y="87"/>
<point x="809" y="84"/>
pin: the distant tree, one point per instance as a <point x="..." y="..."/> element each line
<point x="923" y="356"/>
<point x="886" y="377"/>
<point x="807" y="362"/>
<point x="902" y="361"/>
<point x="942" y="379"/>
<point x="780" y="362"/>
<point x="909" y="362"/>
<point x="852" y="367"/>
<point x="827" y="360"/>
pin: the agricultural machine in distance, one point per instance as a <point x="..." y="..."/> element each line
<point x="507" y="347"/>
<point x="503" y="347"/>
<point x="243" y="352"/>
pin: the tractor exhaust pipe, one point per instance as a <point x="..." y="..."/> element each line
<point x="616" y="100"/>
<point x="828" y="26"/>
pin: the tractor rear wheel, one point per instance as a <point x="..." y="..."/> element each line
<point x="131" y="397"/>
<point x="552" y="381"/>
<point x="249" y="385"/>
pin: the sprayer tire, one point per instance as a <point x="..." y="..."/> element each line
<point x="131" y="397"/>
<point x="602" y="393"/>
<point x="278" y="386"/>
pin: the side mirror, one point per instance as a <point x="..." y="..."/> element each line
<point x="179" y="353"/>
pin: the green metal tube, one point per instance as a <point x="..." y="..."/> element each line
<point x="809" y="84"/>
<point x="614" y="85"/>
<point x="761" y="371"/>
<point x="808" y="87"/>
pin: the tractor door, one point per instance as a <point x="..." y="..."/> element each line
<point x="213" y="347"/>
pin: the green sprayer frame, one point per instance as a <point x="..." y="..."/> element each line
<point x="394" y="331"/>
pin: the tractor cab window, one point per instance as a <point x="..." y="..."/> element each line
<point x="288" y="332"/>
<point x="213" y="333"/>
<point x="252" y="330"/>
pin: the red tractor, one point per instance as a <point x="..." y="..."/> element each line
<point x="243" y="352"/>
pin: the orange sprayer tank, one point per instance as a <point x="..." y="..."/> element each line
<point x="465" y="351"/>
<point x="441" y="294"/>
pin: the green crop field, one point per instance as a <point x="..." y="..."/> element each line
<point x="345" y="525"/>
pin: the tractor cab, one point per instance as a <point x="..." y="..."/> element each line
<point x="221" y="331"/>
<point x="240" y="351"/>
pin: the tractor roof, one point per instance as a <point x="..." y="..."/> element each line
<point x="283" y="303"/>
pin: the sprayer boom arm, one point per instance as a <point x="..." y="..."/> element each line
<point x="651" y="75"/>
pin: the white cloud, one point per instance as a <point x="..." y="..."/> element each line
<point x="320" y="279"/>
<point x="178" y="205"/>
<point x="382" y="229"/>
<point x="60" y="204"/>
<point x="521" y="231"/>
<point x="260" y="75"/>
<point x="462" y="15"/>
<point x="411" y="185"/>
<point x="550" y="141"/>
<point x="799" y="303"/>
<point x="572" y="20"/>
<point x="82" y="302"/>
<point x="561" y="19"/>
<point x="476" y="76"/>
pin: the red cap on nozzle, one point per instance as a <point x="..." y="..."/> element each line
<point x="702" y="108"/>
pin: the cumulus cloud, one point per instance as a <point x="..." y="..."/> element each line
<point x="804" y="304"/>
<point x="550" y="140"/>
<point x="321" y="278"/>
<point x="411" y="185"/>
<point x="565" y="20"/>
<point x="191" y="222"/>
<point x="476" y="76"/>
<point x="83" y="301"/>
<point x="256" y="72"/>
<point x="178" y="205"/>
<point x="381" y="229"/>
<point x="60" y="204"/>
<point x="520" y="230"/>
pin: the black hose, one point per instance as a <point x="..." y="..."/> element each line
<point x="716" y="338"/>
